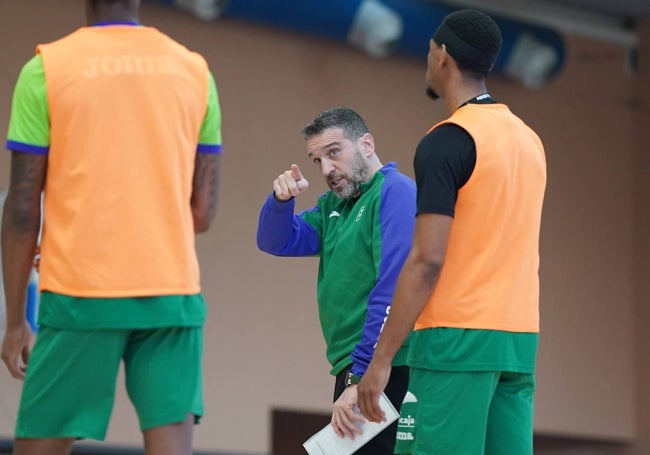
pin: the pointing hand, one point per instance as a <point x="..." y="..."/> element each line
<point x="290" y="184"/>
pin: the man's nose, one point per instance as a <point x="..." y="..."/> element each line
<point x="326" y="167"/>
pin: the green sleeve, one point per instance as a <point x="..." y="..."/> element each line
<point x="29" y="125"/>
<point x="210" y="134"/>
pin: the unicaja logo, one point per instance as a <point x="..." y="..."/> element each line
<point x="407" y="421"/>
<point x="361" y="210"/>
<point x="405" y="436"/>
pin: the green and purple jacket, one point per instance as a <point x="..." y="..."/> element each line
<point x="362" y="244"/>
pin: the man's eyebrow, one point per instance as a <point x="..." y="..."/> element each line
<point x="326" y="146"/>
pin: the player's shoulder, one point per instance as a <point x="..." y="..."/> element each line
<point x="180" y="47"/>
<point x="445" y="141"/>
<point x="32" y="72"/>
<point x="33" y="66"/>
<point x="449" y="130"/>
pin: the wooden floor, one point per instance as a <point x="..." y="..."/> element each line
<point x="100" y="449"/>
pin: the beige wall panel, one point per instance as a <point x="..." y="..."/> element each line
<point x="263" y="343"/>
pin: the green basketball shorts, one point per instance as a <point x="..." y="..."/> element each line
<point x="467" y="413"/>
<point x="69" y="386"/>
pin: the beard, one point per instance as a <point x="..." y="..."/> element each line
<point x="432" y="94"/>
<point x="359" y="173"/>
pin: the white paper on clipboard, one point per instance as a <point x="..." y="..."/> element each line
<point x="326" y="442"/>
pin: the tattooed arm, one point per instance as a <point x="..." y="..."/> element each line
<point x="204" y="190"/>
<point x="20" y="227"/>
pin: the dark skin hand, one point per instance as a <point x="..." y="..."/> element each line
<point x="20" y="228"/>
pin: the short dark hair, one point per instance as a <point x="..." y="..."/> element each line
<point x="351" y="123"/>
<point x="480" y="40"/>
<point x="94" y="3"/>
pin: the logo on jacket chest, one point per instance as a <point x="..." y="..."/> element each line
<point x="337" y="214"/>
<point x="360" y="213"/>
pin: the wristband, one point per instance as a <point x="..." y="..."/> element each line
<point x="352" y="379"/>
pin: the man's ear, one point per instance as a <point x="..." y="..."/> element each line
<point x="368" y="144"/>
<point x="445" y="58"/>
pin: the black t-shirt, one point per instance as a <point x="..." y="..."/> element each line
<point x="444" y="162"/>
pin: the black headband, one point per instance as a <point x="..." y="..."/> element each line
<point x="466" y="55"/>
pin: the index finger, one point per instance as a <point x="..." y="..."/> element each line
<point x="295" y="172"/>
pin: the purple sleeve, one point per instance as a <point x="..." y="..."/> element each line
<point x="396" y="224"/>
<point x="282" y="233"/>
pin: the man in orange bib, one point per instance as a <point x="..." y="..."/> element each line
<point x="470" y="286"/>
<point x="119" y="127"/>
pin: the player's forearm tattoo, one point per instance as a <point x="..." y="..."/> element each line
<point x="206" y="178"/>
<point x="26" y="183"/>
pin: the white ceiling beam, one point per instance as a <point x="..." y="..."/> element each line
<point x="558" y="17"/>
